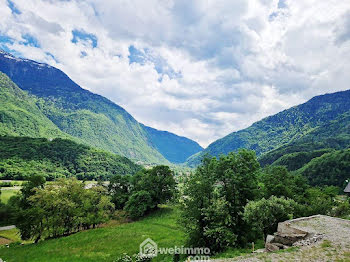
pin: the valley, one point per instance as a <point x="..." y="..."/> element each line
<point x="84" y="181"/>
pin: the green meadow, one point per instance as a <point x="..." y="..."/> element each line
<point x="6" y="193"/>
<point x="103" y="244"/>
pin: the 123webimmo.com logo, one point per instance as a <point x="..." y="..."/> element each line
<point x="150" y="249"/>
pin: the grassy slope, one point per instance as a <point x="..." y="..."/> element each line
<point x="6" y="193"/>
<point x="11" y="234"/>
<point x="104" y="244"/>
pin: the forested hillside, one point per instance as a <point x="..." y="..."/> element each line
<point x="19" y="114"/>
<point x="21" y="157"/>
<point x="331" y="135"/>
<point x="314" y="123"/>
<point x="89" y="117"/>
<point x="329" y="169"/>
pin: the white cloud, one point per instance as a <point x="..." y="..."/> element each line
<point x="209" y="67"/>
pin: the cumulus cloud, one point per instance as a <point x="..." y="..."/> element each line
<point x="200" y="69"/>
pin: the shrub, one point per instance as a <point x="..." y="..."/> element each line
<point x="265" y="214"/>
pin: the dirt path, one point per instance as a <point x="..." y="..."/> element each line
<point x="11" y="188"/>
<point x="7" y="228"/>
<point x="335" y="245"/>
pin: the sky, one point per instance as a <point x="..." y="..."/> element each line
<point x="201" y="68"/>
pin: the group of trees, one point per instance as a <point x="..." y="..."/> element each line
<point x="49" y="210"/>
<point x="214" y="199"/>
<point x="142" y="192"/>
<point x="231" y="201"/>
<point x="52" y="209"/>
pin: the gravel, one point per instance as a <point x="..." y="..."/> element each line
<point x="330" y="242"/>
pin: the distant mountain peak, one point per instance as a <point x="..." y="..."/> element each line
<point x="18" y="59"/>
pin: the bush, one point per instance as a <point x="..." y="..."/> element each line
<point x="265" y="214"/>
<point x="341" y="210"/>
<point x="6" y="184"/>
<point x="317" y="201"/>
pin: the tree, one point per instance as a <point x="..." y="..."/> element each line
<point x="25" y="217"/>
<point x="96" y="206"/>
<point x="61" y="208"/>
<point x="34" y="181"/>
<point x="317" y="201"/>
<point x="265" y="214"/>
<point x="158" y="181"/>
<point x="139" y="204"/>
<point x="218" y="232"/>
<point x="237" y="180"/>
<point x="277" y="181"/>
<point x="214" y="199"/>
<point x="198" y="196"/>
<point x="119" y="189"/>
<point x="149" y="188"/>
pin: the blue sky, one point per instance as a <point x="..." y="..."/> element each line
<point x="200" y="69"/>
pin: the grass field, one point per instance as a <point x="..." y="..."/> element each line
<point x="12" y="234"/>
<point x="104" y="244"/>
<point x="107" y="243"/>
<point x="6" y="193"/>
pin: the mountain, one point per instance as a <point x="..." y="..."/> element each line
<point x="19" y="114"/>
<point x="89" y="117"/>
<point x="313" y="123"/>
<point x="174" y="148"/>
<point x="21" y="157"/>
<point x="332" y="135"/>
<point x="332" y="168"/>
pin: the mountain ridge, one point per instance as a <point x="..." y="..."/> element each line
<point x="282" y="128"/>
<point x="90" y="117"/>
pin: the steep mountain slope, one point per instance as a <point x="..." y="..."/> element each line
<point x="19" y="114"/>
<point x="332" y="168"/>
<point x="332" y="135"/>
<point x="174" y="148"/>
<point x="285" y="127"/>
<point x="92" y="118"/>
<point x="23" y="156"/>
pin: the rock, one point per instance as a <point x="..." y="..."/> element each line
<point x="271" y="247"/>
<point x="269" y="239"/>
<point x="281" y="246"/>
<point x="288" y="239"/>
<point x="309" y="241"/>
